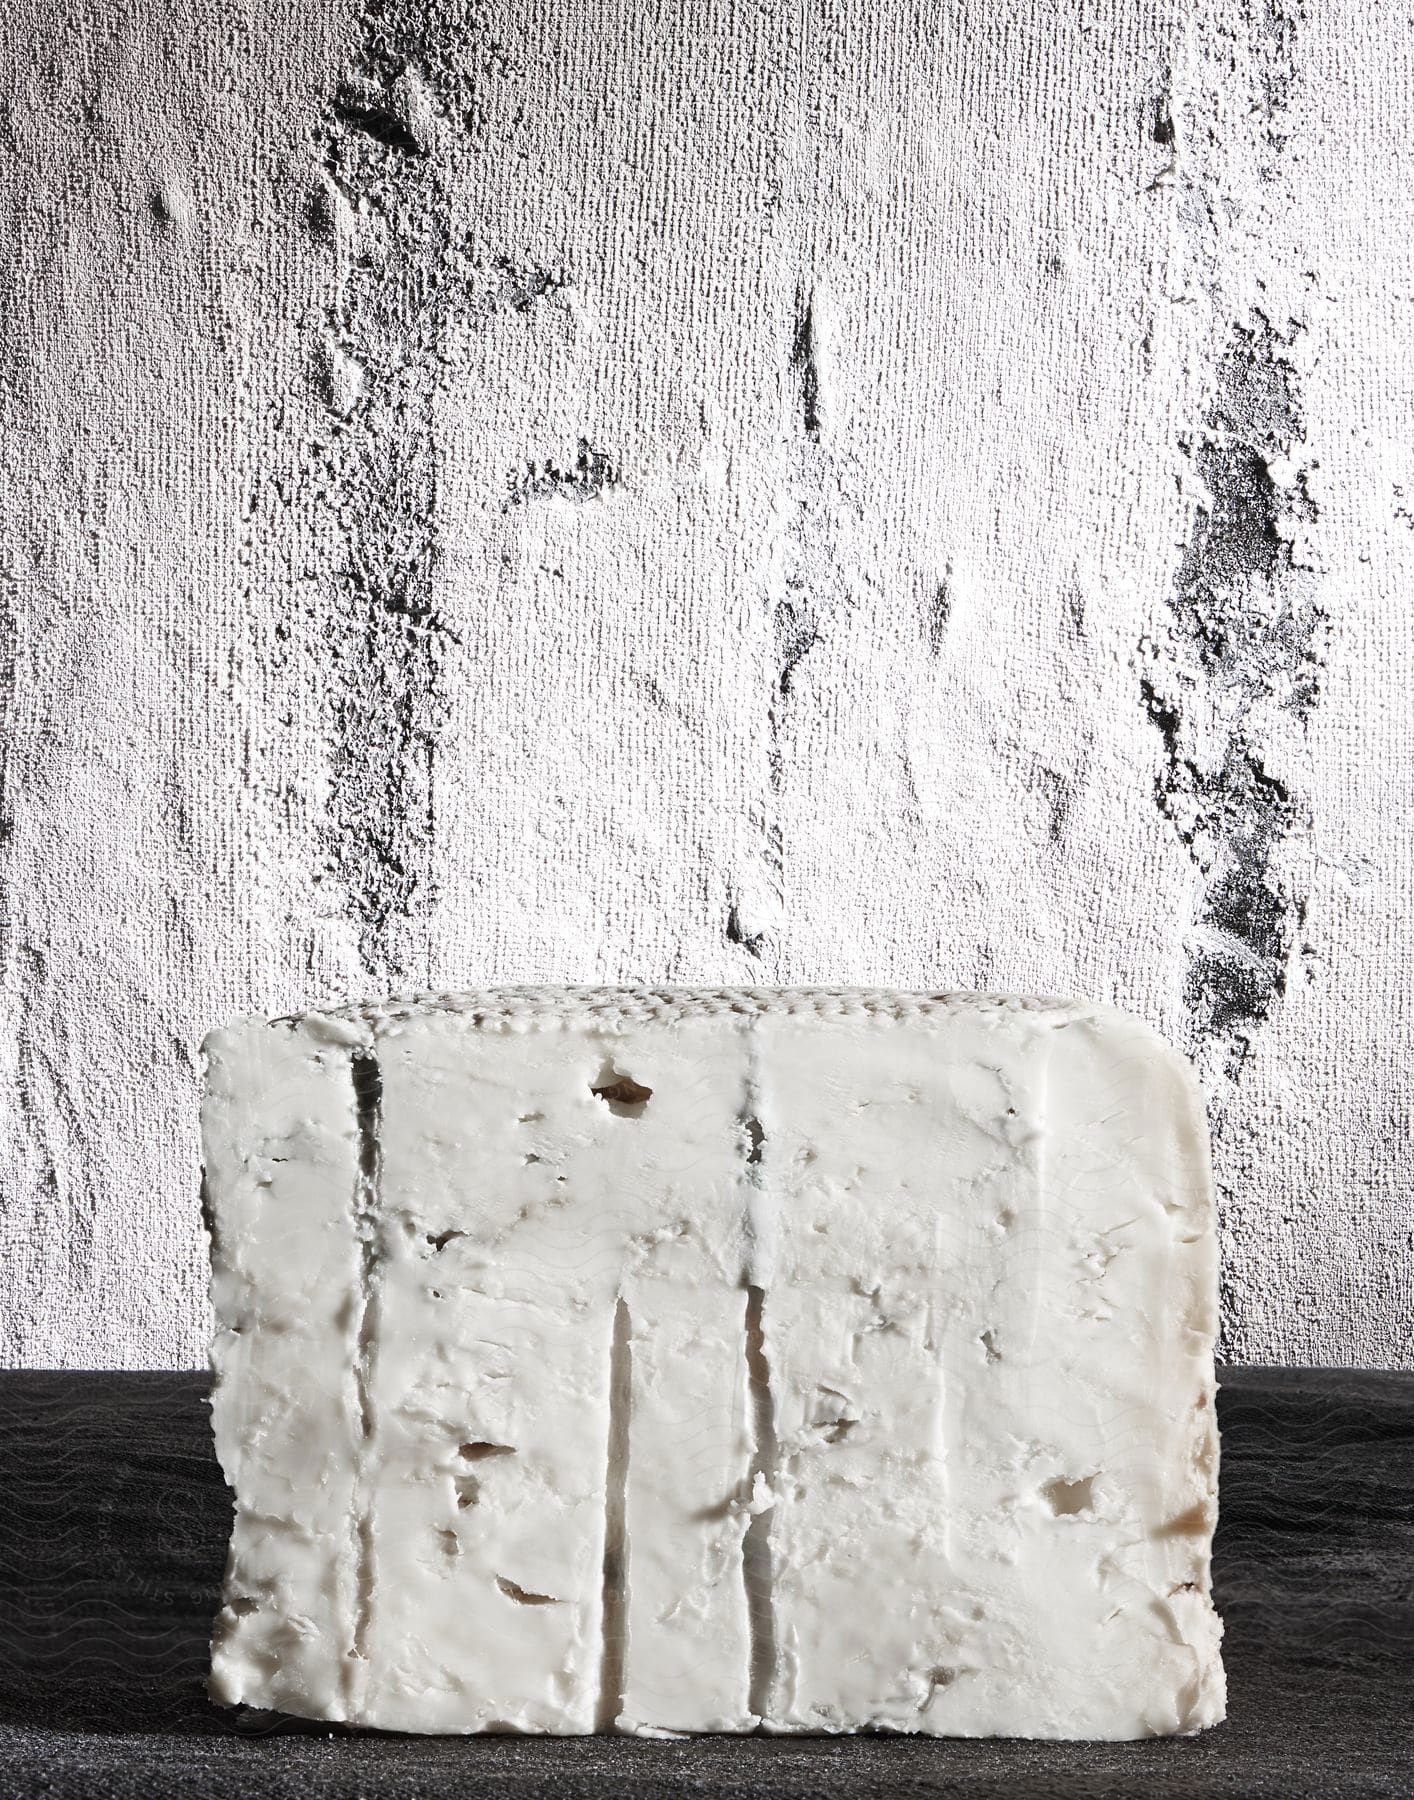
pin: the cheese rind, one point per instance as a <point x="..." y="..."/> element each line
<point x="704" y="1360"/>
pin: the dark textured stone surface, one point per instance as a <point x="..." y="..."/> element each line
<point x="113" y="1520"/>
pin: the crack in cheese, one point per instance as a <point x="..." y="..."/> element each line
<point x="692" y="1360"/>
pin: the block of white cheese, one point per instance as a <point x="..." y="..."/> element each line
<point x="671" y="1361"/>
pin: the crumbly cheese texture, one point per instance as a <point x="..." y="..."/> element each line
<point x="672" y="1361"/>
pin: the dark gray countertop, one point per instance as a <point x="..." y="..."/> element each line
<point x="113" y="1520"/>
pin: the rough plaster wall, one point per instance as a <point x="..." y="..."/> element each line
<point x="743" y="492"/>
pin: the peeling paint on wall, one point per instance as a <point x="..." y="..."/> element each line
<point x="1249" y="628"/>
<point x="388" y="199"/>
<point x="842" y="493"/>
<point x="1247" y="620"/>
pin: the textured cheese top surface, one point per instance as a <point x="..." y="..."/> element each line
<point x="674" y="1360"/>
<point x="590" y="1007"/>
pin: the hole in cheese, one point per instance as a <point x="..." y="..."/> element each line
<point x="1065" y="1497"/>
<point x="478" y="1452"/>
<point x="514" y="1592"/>
<point x="620" y="1093"/>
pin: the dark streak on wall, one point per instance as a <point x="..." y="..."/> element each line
<point x="355" y="109"/>
<point x="797" y="634"/>
<point x="387" y="706"/>
<point x="736" y="933"/>
<point x="519" y="286"/>
<point x="1271" y="32"/>
<point x="795" y="618"/>
<point x="938" y="613"/>
<point x="802" y="361"/>
<point x="1249" y="633"/>
<point x="1248" y="636"/>
<point x="800" y="589"/>
<point x="592" y="474"/>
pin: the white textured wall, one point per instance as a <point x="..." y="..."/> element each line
<point x="719" y="492"/>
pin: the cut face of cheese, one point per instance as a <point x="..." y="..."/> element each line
<point x="712" y="1361"/>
